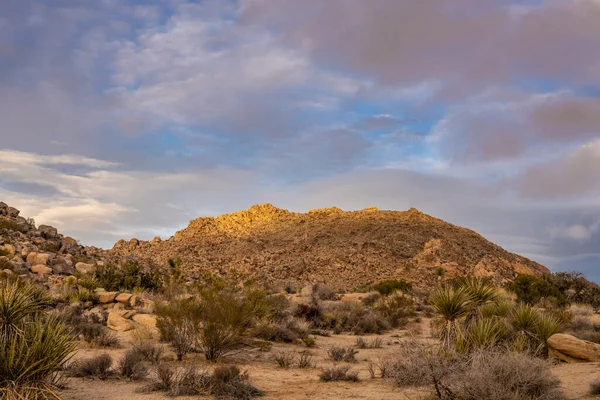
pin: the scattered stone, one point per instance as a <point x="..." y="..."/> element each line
<point x="10" y="249"/>
<point x="107" y="297"/>
<point x="572" y="350"/>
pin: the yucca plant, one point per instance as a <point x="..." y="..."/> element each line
<point x="546" y="326"/>
<point x="33" y="345"/>
<point x="480" y="293"/>
<point x="486" y="333"/>
<point x="452" y="304"/>
<point x="524" y="318"/>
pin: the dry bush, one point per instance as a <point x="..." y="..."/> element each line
<point x="321" y="291"/>
<point x="305" y="360"/>
<point x="285" y="359"/>
<point x="338" y="373"/>
<point x="482" y="375"/>
<point x="149" y="351"/>
<point x="581" y="324"/>
<point x="580" y="309"/>
<point x="131" y="366"/>
<point x="352" y="317"/>
<point x="371" y="298"/>
<point x="595" y="388"/>
<point x="96" y="367"/>
<point x="226" y="382"/>
<point x="346" y="354"/>
<point x="375" y="343"/>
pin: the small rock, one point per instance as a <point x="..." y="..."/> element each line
<point x="123" y="298"/>
<point x="41" y="269"/>
<point x="107" y="297"/>
<point x="10" y="249"/>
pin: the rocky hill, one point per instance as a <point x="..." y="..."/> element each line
<point x="41" y="253"/>
<point x="347" y="250"/>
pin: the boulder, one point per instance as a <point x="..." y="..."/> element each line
<point x="39" y="258"/>
<point x="41" y="269"/>
<point x="62" y="268"/>
<point x="84" y="268"/>
<point x="124" y="298"/>
<point x="48" y="232"/>
<point x="12" y="212"/>
<point x="107" y="297"/>
<point x="572" y="350"/>
<point x="4" y="261"/>
<point x="10" y="249"/>
<point x="118" y="323"/>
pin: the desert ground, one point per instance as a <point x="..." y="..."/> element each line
<point x="294" y="383"/>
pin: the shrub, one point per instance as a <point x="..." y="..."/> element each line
<point x="595" y="388"/>
<point x="228" y="382"/>
<point x="33" y="345"/>
<point x="576" y="288"/>
<point x="5" y="264"/>
<point x="10" y="225"/>
<point x="321" y="291"/>
<point x="131" y="366"/>
<point x="225" y="317"/>
<point x="284" y="359"/>
<point x="305" y="360"/>
<point x="82" y="295"/>
<point x="274" y="332"/>
<point x="346" y="354"/>
<point x="50" y="247"/>
<point x="390" y="286"/>
<point x="452" y="304"/>
<point x="225" y="382"/>
<point x="97" y="367"/>
<point x="396" y="309"/>
<point x="149" y="351"/>
<point x="127" y="277"/>
<point x="4" y="253"/>
<point x="338" y="373"/>
<point x="178" y="323"/>
<point x="361" y="343"/>
<point x="531" y="289"/>
<point x="484" y="375"/>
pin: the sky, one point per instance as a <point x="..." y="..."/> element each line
<point x="129" y="118"/>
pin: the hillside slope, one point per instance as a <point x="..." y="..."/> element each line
<point x="347" y="250"/>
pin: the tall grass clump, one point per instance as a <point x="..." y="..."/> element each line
<point x="33" y="345"/>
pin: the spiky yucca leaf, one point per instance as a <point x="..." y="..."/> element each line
<point x="452" y="304"/>
<point x="524" y="318"/>
<point x="479" y="291"/>
<point x="33" y="346"/>
<point x="485" y="333"/>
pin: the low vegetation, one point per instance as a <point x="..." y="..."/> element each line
<point x="34" y="346"/>
<point x="338" y="373"/>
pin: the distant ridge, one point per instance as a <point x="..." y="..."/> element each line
<point x="347" y="250"/>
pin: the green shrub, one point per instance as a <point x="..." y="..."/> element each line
<point x="396" y="309"/>
<point x="127" y="277"/>
<point x="33" y="345"/>
<point x="178" y="323"/>
<point x="390" y="286"/>
<point x="10" y="225"/>
<point x="225" y="319"/>
<point x="531" y="289"/>
<point x="50" y="247"/>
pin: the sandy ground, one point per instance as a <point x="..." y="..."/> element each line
<point x="296" y="384"/>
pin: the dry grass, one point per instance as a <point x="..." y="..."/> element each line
<point x="345" y="354"/>
<point x="338" y="373"/>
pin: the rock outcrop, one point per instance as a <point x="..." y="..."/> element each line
<point x="572" y="350"/>
<point x="347" y="250"/>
